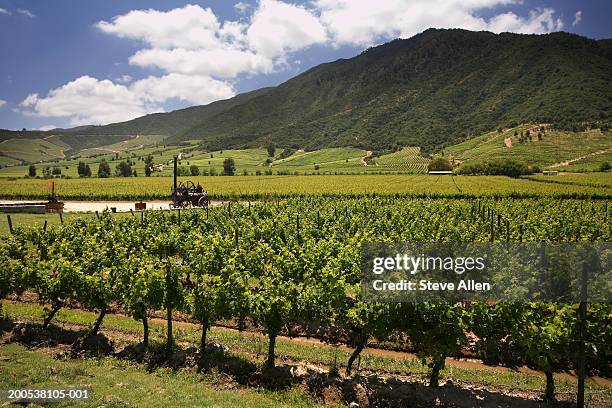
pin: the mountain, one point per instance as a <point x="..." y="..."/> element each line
<point x="70" y="142"/>
<point x="168" y="124"/>
<point x="432" y="90"/>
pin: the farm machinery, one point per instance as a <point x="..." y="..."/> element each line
<point x="186" y="194"/>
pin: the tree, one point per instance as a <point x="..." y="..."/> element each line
<point x="148" y="165"/>
<point x="56" y="171"/>
<point x="195" y="170"/>
<point x="605" y="166"/>
<point x="32" y="170"/>
<point x="229" y="168"/>
<point x="124" y="169"/>
<point x="439" y="163"/>
<point x="271" y="150"/>
<point x="83" y="170"/>
<point x="104" y="169"/>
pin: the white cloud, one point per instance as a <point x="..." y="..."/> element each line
<point x="2" y="103"/>
<point x="539" y="21"/>
<point x="278" y="27"/>
<point x="360" y="22"/>
<point x="190" y="88"/>
<point x="26" y="12"/>
<point x="124" y="79"/>
<point x="192" y="41"/>
<point x="87" y="100"/>
<point x="241" y="7"/>
<point x="221" y="63"/>
<point x="189" y="27"/>
<point x="577" y="18"/>
<point x="5" y="11"/>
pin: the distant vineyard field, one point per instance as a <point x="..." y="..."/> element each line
<point x="134" y="143"/>
<point x="256" y="187"/>
<point x="409" y="158"/>
<point x="540" y="146"/>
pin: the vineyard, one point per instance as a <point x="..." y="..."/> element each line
<point x="294" y="264"/>
<point x="595" y="185"/>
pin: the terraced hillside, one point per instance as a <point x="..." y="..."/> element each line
<point x="540" y="146"/>
<point x="337" y="160"/>
<point x="136" y="142"/>
<point x="31" y="150"/>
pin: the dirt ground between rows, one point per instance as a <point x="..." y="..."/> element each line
<point x="65" y="341"/>
<point x="465" y="363"/>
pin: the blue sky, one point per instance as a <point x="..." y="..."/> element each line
<point x="67" y="63"/>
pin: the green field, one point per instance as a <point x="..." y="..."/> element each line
<point x="254" y="187"/>
<point x="337" y="160"/>
<point x="21" y="367"/>
<point x="8" y="161"/>
<point x="31" y="150"/>
<point x="50" y="153"/>
<point x="69" y="166"/>
<point x="409" y="158"/>
<point x="340" y="160"/>
<point x="134" y="143"/>
<point x="246" y="346"/>
<point x="564" y="151"/>
<point x="555" y="147"/>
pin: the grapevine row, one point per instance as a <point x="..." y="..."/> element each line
<point x="298" y="262"/>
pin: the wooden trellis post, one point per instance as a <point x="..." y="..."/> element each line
<point x="10" y="223"/>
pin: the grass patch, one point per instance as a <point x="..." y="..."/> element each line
<point x="119" y="383"/>
<point x="253" y="346"/>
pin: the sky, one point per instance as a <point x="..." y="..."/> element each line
<point x="66" y="63"/>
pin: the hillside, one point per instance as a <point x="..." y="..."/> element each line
<point x="430" y="90"/>
<point x="545" y="147"/>
<point x="97" y="139"/>
<point x="34" y="146"/>
<point x="167" y="124"/>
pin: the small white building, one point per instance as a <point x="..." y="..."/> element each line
<point x="441" y="173"/>
<point x="550" y="172"/>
